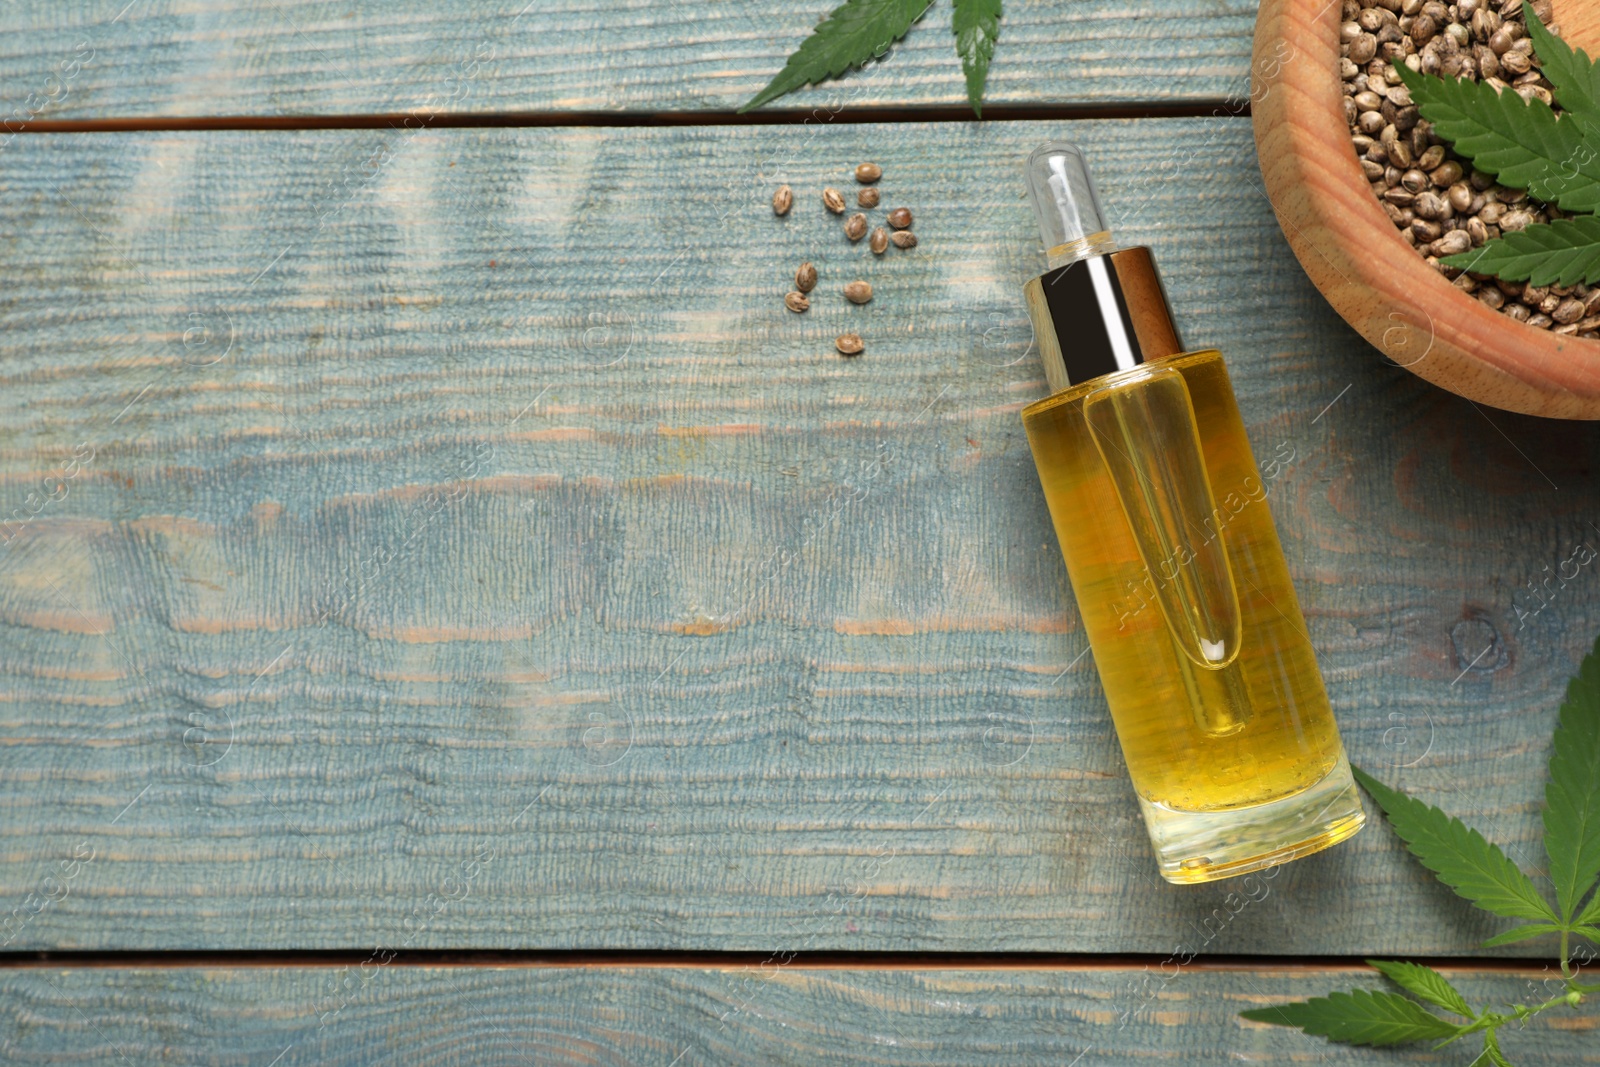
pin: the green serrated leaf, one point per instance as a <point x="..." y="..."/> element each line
<point x="1359" y="1018"/>
<point x="1476" y="869"/>
<point x="1574" y="75"/>
<point x="1590" y="915"/>
<point x="1572" y="792"/>
<point x="1491" y="1050"/>
<point x="856" y="31"/>
<point x="1426" y="983"/>
<point x="1563" y="252"/>
<point x="1521" y="933"/>
<point x="976" y="24"/>
<point x="1521" y="142"/>
<point x="1590" y="932"/>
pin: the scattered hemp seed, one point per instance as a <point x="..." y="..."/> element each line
<point x="896" y="232"/>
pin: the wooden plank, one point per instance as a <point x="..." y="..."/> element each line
<point x="413" y="1016"/>
<point x="113" y="59"/>
<point x="465" y="548"/>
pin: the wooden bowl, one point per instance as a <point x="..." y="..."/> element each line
<point x="1357" y="258"/>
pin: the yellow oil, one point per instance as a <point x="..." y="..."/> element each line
<point x="1251" y="724"/>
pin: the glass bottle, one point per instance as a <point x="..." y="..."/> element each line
<point x="1162" y="517"/>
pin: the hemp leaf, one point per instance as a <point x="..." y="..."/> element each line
<point x="976" y="24"/>
<point x="1491" y="1053"/>
<point x="1480" y="872"/>
<point x="1359" y="1018"/>
<point x="1563" y="252"/>
<point x="1572" y="793"/>
<point x="1574" y="75"/>
<point x="1424" y="982"/>
<point x="1459" y="855"/>
<point x="854" y="33"/>
<point x="1521" y="142"/>
<point x="1521" y="933"/>
<point x="858" y="31"/>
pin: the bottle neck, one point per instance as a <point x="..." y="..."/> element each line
<point x="1096" y="244"/>
<point x="1099" y="314"/>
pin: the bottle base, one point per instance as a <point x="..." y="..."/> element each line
<point x="1204" y="846"/>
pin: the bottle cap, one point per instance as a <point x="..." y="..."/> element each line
<point x="1098" y="309"/>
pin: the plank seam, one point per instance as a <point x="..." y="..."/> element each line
<point x="734" y="960"/>
<point x="1219" y="107"/>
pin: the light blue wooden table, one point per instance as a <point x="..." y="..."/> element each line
<point x="451" y="613"/>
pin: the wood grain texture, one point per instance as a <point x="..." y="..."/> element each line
<point x="316" y="57"/>
<point x="1578" y="23"/>
<point x="422" y="1016"/>
<point x="1356" y="257"/>
<point x="472" y="551"/>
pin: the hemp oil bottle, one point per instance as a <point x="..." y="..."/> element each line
<point x="1186" y="599"/>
